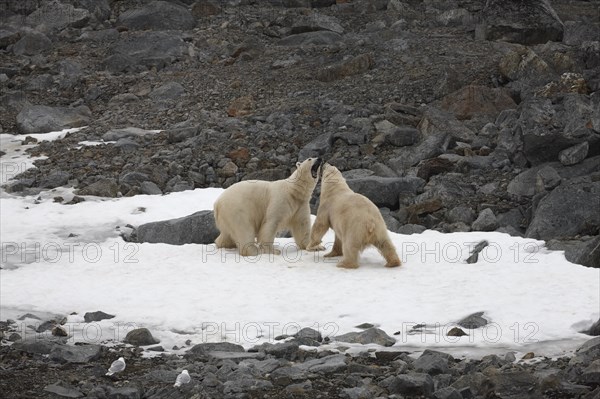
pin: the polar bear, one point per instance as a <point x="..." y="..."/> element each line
<point x="249" y="213"/>
<point x="356" y="221"/>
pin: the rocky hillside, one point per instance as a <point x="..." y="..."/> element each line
<point x="451" y="115"/>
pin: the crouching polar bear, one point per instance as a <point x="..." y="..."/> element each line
<point x="356" y="221"/>
<point x="249" y="213"/>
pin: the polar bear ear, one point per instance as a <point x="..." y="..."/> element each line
<point x="298" y="164"/>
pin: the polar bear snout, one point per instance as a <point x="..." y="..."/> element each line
<point x="314" y="170"/>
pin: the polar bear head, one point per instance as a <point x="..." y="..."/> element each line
<point x="307" y="172"/>
<point x="331" y="177"/>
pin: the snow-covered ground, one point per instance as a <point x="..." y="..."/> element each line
<point x="69" y="259"/>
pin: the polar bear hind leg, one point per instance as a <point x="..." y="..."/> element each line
<point x="388" y="251"/>
<point x="266" y="238"/>
<point x="224" y="240"/>
<point x="336" y="250"/>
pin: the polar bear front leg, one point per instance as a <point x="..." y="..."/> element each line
<point x="319" y="229"/>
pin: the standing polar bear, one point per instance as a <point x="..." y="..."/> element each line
<point x="356" y="221"/>
<point x="249" y="213"/>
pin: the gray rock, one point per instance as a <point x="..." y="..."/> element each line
<point x="202" y="350"/>
<point x="140" y="337"/>
<point x="197" y="228"/>
<point x="63" y="390"/>
<point x="236" y="357"/>
<point x="240" y="381"/>
<point x="447" y="393"/>
<point x="512" y="384"/>
<point x="287" y="375"/>
<point x="310" y="334"/>
<point x="316" y="22"/>
<point x="318" y="38"/>
<point x="549" y="128"/>
<point x="416" y="384"/>
<point x="302" y="389"/>
<point x="353" y="66"/>
<point x="325" y="365"/>
<point x="591" y="374"/>
<point x="128" y="132"/>
<point x="133" y="178"/>
<point x="369" y="336"/>
<point x="462" y="214"/>
<point x="43" y="119"/>
<point x="594" y="329"/>
<point x="473" y="321"/>
<point x="150" y="188"/>
<point x="569" y="210"/>
<point x="573" y="155"/>
<point x="55" y="16"/>
<point x="36" y="346"/>
<point x="100" y="36"/>
<point x="578" y="32"/>
<point x="126" y="392"/>
<point x="391" y="222"/>
<point x="475" y="253"/>
<point x="386" y="191"/>
<point x="284" y="350"/>
<point x="56" y="179"/>
<point x="150" y="49"/>
<point x="530" y="22"/>
<point x="105" y="187"/>
<point x="127" y="145"/>
<point x="433" y="362"/>
<point x="89" y="317"/>
<point x="32" y="43"/>
<point x="404" y="136"/>
<point x="319" y="146"/>
<point x="438" y="128"/>
<point x="486" y="221"/>
<point x="75" y="353"/>
<point x="167" y="91"/>
<point x="584" y="251"/>
<point x="411" y="229"/>
<point x="158" y="15"/>
<point x="547" y="179"/>
<point x="586" y="353"/>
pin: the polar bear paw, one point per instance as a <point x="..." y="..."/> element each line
<point x="315" y="247"/>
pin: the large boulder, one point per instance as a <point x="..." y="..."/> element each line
<point x="570" y="209"/>
<point x="43" y="119"/>
<point x="158" y="15"/>
<point x="438" y="129"/>
<point x="54" y="16"/>
<point x="520" y="21"/>
<point x="197" y="228"/>
<point x="32" y="43"/>
<point x="146" y="49"/>
<point x="549" y="128"/>
<point x="369" y="336"/>
<point x="386" y="191"/>
<point x="584" y="251"/>
<point x="478" y="101"/>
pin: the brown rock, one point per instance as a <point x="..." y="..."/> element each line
<point x="353" y="66"/>
<point x="241" y="106"/>
<point x="473" y="100"/>
<point x="205" y="8"/>
<point x="240" y="156"/>
<point x="434" y="166"/>
<point x="456" y="332"/>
